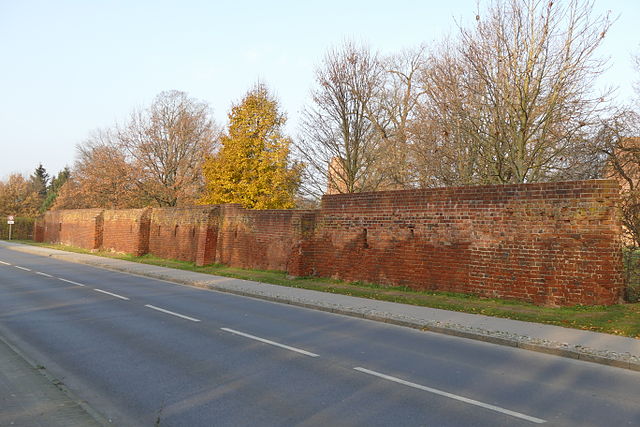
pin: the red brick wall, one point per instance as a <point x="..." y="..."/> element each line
<point x="126" y="230"/>
<point x="266" y="239"/>
<point x="50" y="223"/>
<point x="77" y="227"/>
<point x="554" y="243"/>
<point x="38" y="230"/>
<point x="181" y="233"/>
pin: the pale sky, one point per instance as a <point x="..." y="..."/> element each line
<point x="69" y="67"/>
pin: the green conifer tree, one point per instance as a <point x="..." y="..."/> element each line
<point x="40" y="181"/>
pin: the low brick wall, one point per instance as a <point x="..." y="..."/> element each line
<point x="76" y="227"/>
<point x="186" y="234"/>
<point x="552" y="243"/>
<point x="261" y="239"/>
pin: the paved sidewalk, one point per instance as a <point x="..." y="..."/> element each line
<point x="596" y="347"/>
<point x="30" y="398"/>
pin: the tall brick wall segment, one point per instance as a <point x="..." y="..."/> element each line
<point x="552" y="243"/>
<point x="38" y="229"/>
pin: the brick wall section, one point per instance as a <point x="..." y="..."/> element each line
<point x="76" y="227"/>
<point x="266" y="239"/>
<point x="181" y="233"/>
<point x="50" y="226"/>
<point x="553" y="244"/>
<point x="38" y="229"/>
<point x="126" y="230"/>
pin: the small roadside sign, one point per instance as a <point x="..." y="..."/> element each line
<point x="10" y="221"/>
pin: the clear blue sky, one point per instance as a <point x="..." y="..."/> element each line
<point x="69" y="67"/>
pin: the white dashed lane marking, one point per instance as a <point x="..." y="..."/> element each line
<point x="71" y="281"/>
<point x="266" y="341"/>
<point x="173" y="313"/>
<point x="453" y="396"/>
<point x="43" y="274"/>
<point x="22" y="268"/>
<point x="112" y="294"/>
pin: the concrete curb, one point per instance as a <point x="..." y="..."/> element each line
<point x="583" y="353"/>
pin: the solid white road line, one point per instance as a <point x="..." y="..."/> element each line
<point x="112" y="294"/>
<point x="72" y="282"/>
<point x="4" y="263"/>
<point x="253" y="337"/>
<point x="453" y="396"/>
<point x="43" y="274"/>
<point x="22" y="268"/>
<point x="172" y="313"/>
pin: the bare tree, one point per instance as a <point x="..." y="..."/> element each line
<point x="620" y="138"/>
<point x="338" y="136"/>
<point x="512" y="99"/>
<point x="166" y="144"/>
<point x="392" y="113"/>
<point x="154" y="159"/>
<point x="623" y="149"/>
<point x="446" y="152"/>
<point x="101" y="177"/>
<point x="636" y="84"/>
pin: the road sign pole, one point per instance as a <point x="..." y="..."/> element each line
<point x="10" y="220"/>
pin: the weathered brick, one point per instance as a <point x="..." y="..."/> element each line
<point x="184" y="233"/>
<point x="77" y="227"/>
<point x="126" y="230"/>
<point x="552" y="243"/>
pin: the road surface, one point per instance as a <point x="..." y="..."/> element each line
<point x="144" y="352"/>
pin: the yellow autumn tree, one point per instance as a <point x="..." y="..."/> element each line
<point x="252" y="167"/>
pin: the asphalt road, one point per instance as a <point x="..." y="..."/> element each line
<point x="144" y="352"/>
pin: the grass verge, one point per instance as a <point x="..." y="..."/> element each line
<point x="621" y="319"/>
